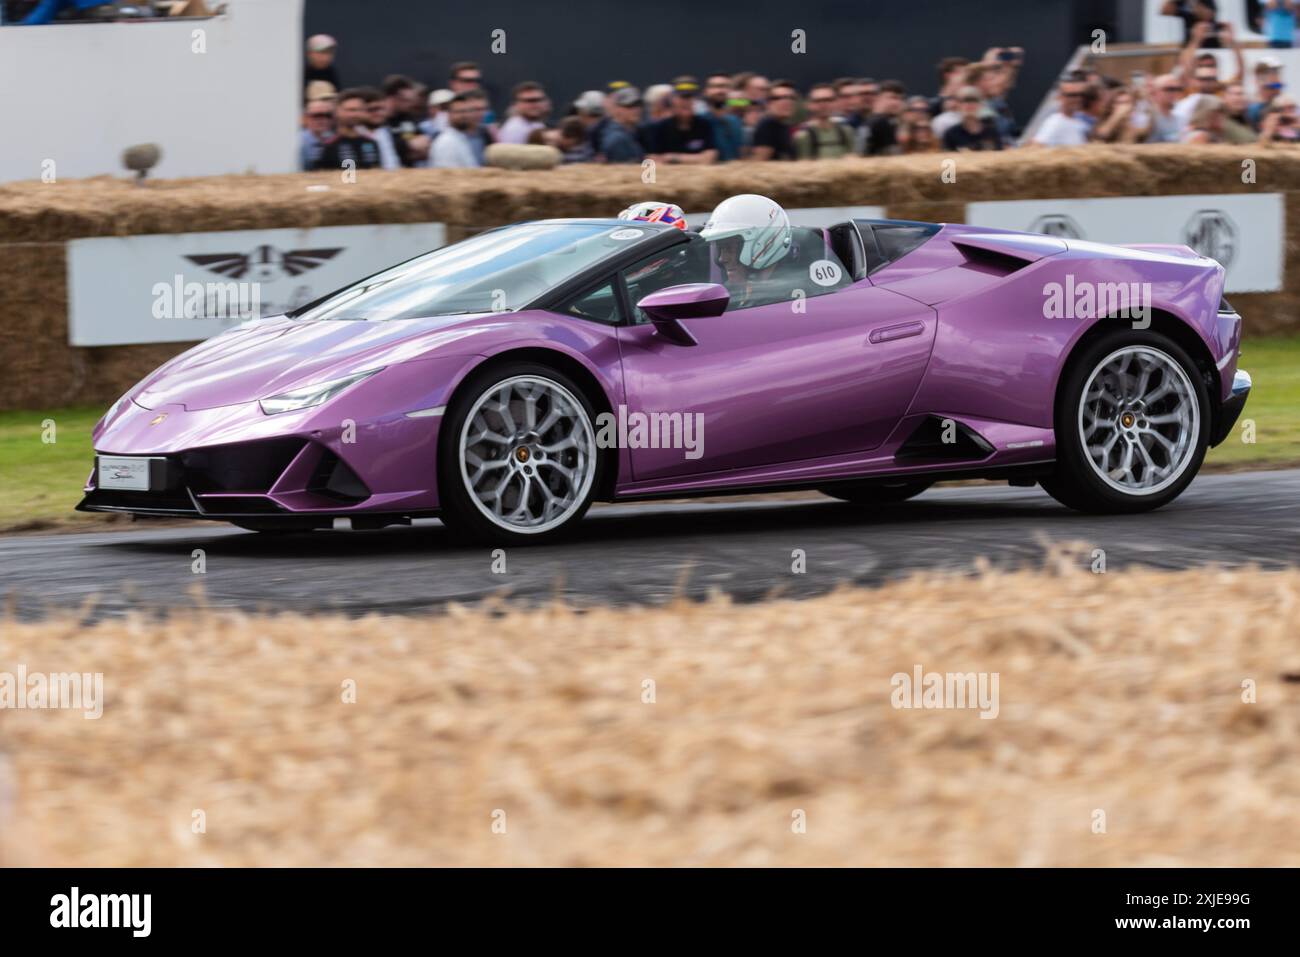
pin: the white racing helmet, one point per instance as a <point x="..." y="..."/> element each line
<point x="761" y="224"/>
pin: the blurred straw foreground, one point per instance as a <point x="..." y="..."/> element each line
<point x="1120" y="693"/>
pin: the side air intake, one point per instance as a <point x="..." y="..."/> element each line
<point x="943" y="440"/>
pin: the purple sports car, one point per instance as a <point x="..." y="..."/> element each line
<point x="505" y="382"/>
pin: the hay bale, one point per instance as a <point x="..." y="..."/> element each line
<point x="522" y="156"/>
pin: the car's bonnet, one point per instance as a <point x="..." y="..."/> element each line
<point x="273" y="356"/>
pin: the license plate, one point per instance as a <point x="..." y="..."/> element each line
<point x="122" y="472"/>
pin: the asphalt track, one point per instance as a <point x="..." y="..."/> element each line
<point x="644" y="553"/>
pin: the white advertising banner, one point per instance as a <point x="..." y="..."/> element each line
<point x="1244" y="232"/>
<point x="188" y="286"/>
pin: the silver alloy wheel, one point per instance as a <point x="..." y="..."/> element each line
<point x="1139" y="420"/>
<point x="527" y="454"/>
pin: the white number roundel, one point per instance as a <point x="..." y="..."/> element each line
<point x="824" y="272"/>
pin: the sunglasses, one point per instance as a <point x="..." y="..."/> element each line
<point x="320" y="116"/>
<point x="822" y="99"/>
<point x="532" y="99"/>
<point x="469" y="79"/>
<point x="782" y="96"/>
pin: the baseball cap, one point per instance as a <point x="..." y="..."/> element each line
<point x="592" y="101"/>
<point x="321" y="42"/>
<point x="440" y="97"/>
<point x="321" y="90"/>
<point x="627" y="96"/>
<point x="613" y="86"/>
<point x="686" y="85"/>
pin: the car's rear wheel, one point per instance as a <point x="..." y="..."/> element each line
<point x="518" y="460"/>
<point x="878" y="493"/>
<point x="1132" y="425"/>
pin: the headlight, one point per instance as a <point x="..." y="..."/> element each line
<point x="311" y="395"/>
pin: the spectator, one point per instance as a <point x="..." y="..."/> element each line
<point x="438" y="118"/>
<point x="882" y="127"/>
<point x="728" y="132"/>
<point x="377" y="109"/>
<point x="320" y="61"/>
<point x="317" y="130"/>
<point x="572" y="140"/>
<point x="589" y="108"/>
<point x="685" y="136"/>
<point x="994" y="81"/>
<point x="1206" y="122"/>
<point x="1236" y="125"/>
<point x="949" y="118"/>
<point x="452" y="148"/>
<point x="619" y="141"/>
<point x="1203" y="67"/>
<point x="483" y="134"/>
<point x="403" y="120"/>
<point x="466" y="77"/>
<point x="1278" y="124"/>
<point x="658" y="103"/>
<point x="1193" y="12"/>
<point x="351" y="142"/>
<point x="850" y="106"/>
<point x="870" y="89"/>
<point x="1066" y="127"/>
<point x="530" y="108"/>
<point x="1165" y="126"/>
<point x="753" y="87"/>
<point x="916" y="136"/>
<point x="975" y="131"/>
<point x="1279" y="23"/>
<point x="952" y="78"/>
<point x="1268" y="85"/>
<point x="772" y="134"/>
<point x="823" y="136"/>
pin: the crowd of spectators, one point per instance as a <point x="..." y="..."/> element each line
<point x="689" y="120"/>
<point x="723" y="116"/>
<point x="1193" y="103"/>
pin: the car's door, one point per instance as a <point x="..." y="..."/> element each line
<point x="809" y="376"/>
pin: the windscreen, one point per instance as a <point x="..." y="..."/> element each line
<point x="499" y="271"/>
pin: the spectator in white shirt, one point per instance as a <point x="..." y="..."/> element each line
<point x="529" y="112"/>
<point x="1066" y="127"/>
<point x="452" y="148"/>
<point x="437" y="119"/>
<point x="1166" y="126"/>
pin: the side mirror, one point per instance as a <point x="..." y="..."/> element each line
<point x="667" y="307"/>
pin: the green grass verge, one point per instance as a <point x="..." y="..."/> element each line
<point x="40" y="481"/>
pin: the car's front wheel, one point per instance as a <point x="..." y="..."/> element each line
<point x="518" y="460"/>
<point x="1132" y="425"/>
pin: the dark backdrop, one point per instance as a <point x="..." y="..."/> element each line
<point x="574" y="45"/>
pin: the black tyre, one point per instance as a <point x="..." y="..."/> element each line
<point x="878" y="493"/>
<point x="517" y="455"/>
<point x="1132" y="424"/>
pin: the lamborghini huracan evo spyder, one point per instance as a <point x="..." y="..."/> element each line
<point x="879" y="356"/>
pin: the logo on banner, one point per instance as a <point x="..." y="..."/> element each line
<point x="265" y="263"/>
<point x="1211" y="232"/>
<point x="1058" y="225"/>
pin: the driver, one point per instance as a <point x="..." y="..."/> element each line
<point x="653" y="211"/>
<point x="750" y="235"/>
